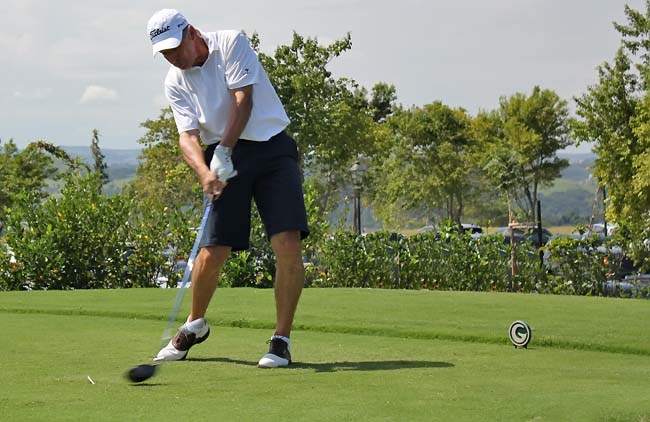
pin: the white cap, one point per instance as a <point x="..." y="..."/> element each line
<point x="165" y="29"/>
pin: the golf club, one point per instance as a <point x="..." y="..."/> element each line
<point x="144" y="372"/>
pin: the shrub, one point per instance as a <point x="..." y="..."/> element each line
<point x="579" y="267"/>
<point x="72" y="242"/>
<point x="447" y="261"/>
<point x="85" y="240"/>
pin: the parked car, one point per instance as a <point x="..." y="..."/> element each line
<point x="177" y="262"/>
<point x="600" y="228"/>
<point x="474" y="229"/>
<point x="427" y="228"/>
<point x="632" y="285"/>
<point x="526" y="233"/>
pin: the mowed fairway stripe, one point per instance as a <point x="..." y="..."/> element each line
<point x="336" y="377"/>
<point x="564" y="322"/>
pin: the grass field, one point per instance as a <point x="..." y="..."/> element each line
<point x="359" y="355"/>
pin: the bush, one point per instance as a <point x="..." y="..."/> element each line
<point x="579" y="267"/>
<point x="85" y="240"/>
<point x="447" y="261"/>
<point x="72" y="242"/>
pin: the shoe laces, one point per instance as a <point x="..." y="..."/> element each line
<point x="278" y="346"/>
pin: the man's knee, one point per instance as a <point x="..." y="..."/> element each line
<point x="287" y="244"/>
<point x="213" y="257"/>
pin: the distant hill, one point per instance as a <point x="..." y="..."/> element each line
<point x="122" y="165"/>
<point x="578" y="156"/>
<point x="571" y="198"/>
<point x="568" y="202"/>
<point x="124" y="157"/>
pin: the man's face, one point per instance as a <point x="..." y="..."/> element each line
<point x="182" y="56"/>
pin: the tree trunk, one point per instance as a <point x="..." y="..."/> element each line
<point x="530" y="205"/>
<point x="535" y="217"/>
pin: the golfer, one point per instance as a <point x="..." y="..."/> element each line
<point x="221" y="96"/>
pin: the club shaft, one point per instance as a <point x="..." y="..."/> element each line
<point x="186" y="275"/>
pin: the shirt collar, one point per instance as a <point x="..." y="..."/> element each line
<point x="212" y="46"/>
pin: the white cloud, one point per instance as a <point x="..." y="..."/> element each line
<point x="95" y="94"/>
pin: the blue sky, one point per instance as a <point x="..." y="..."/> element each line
<point x="71" y="66"/>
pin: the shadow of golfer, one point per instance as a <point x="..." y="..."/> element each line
<point x="381" y="365"/>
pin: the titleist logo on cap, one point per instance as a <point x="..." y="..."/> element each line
<point x="155" y="32"/>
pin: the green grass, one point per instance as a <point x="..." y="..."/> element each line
<point x="360" y="355"/>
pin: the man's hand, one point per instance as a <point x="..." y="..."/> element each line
<point x="221" y="163"/>
<point x="212" y="185"/>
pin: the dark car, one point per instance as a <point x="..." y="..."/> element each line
<point x="473" y="229"/>
<point x="526" y="233"/>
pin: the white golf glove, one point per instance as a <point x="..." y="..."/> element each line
<point x="221" y="163"/>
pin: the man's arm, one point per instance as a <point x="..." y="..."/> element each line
<point x="240" y="111"/>
<point x="238" y="115"/>
<point x="193" y="155"/>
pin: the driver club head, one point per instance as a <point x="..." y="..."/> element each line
<point x="141" y="373"/>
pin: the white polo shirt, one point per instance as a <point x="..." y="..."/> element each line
<point x="200" y="97"/>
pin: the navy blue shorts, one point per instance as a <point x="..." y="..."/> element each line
<point x="267" y="172"/>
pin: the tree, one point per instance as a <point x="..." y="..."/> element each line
<point x="641" y="179"/>
<point x="382" y="101"/>
<point x="607" y="110"/>
<point x="534" y="128"/>
<point x="493" y="206"/>
<point x="163" y="176"/>
<point x="428" y="163"/>
<point x="636" y="39"/>
<point x="22" y="172"/>
<point x="614" y="116"/>
<point x="99" y="166"/>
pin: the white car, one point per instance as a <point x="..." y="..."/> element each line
<point x="632" y="285"/>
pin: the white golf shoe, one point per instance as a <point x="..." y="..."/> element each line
<point x="188" y="335"/>
<point x="278" y="355"/>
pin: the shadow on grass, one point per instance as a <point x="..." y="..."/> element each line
<point x="381" y="365"/>
<point x="146" y="384"/>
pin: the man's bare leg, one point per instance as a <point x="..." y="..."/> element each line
<point x="289" y="278"/>
<point x="205" y="276"/>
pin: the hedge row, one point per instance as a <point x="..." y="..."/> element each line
<point x="83" y="239"/>
<point x="459" y="262"/>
